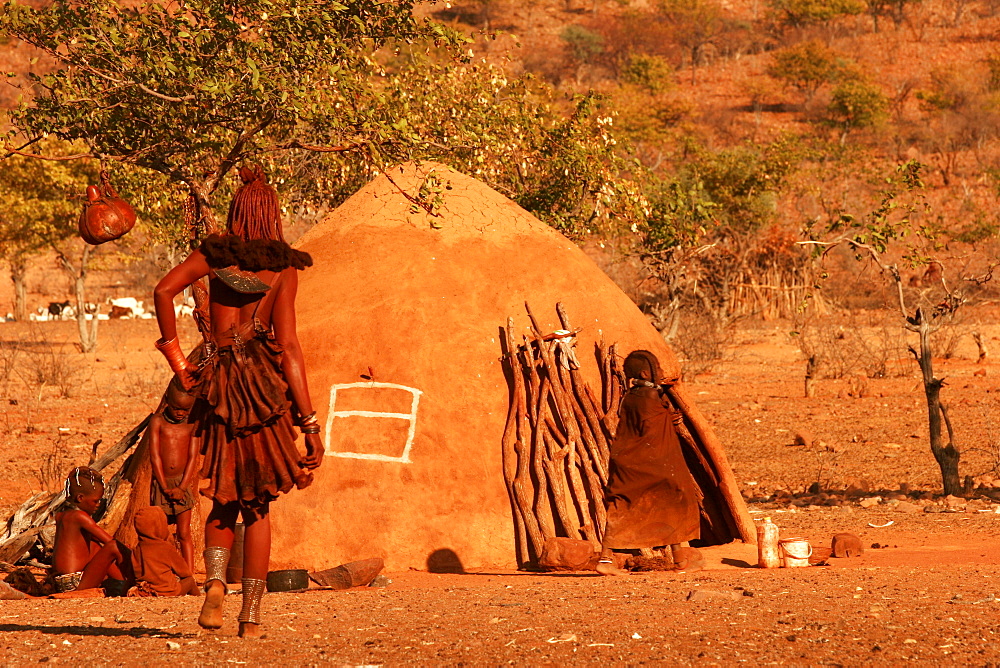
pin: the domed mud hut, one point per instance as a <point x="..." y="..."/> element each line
<point x="404" y="321"/>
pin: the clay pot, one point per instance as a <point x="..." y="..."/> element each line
<point x="289" y="580"/>
<point x="106" y="216"/>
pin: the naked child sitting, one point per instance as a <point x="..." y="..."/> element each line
<point x="174" y="456"/>
<point x="85" y="554"/>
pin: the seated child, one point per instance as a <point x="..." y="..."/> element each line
<point x="174" y="456"/>
<point x="85" y="554"/>
<point x="160" y="570"/>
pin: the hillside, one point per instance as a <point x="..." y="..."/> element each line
<point x="691" y="84"/>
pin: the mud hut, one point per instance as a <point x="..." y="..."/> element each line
<point x="402" y="319"/>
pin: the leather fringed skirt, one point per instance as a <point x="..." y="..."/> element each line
<point x="245" y="423"/>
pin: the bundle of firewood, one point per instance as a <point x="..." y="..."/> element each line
<point x="558" y="435"/>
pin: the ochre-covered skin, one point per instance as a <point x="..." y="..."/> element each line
<point x="418" y="301"/>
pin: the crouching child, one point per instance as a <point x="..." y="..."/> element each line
<point x="86" y="556"/>
<point x="160" y="570"/>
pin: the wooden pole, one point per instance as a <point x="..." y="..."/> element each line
<point x="509" y="452"/>
<point x="522" y="477"/>
<point x="702" y="431"/>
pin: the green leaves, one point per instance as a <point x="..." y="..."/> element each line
<point x="172" y="87"/>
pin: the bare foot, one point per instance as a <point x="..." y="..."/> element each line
<point x="609" y="568"/>
<point x="688" y="559"/>
<point x="211" y="609"/>
<point x="248" y="630"/>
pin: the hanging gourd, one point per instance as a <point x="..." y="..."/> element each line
<point x="106" y="216"/>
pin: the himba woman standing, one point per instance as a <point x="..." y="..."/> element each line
<point x="250" y="381"/>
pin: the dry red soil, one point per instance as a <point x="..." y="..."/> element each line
<point x="926" y="594"/>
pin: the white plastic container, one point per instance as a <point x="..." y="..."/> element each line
<point x="767" y="545"/>
<point x="795" y="552"/>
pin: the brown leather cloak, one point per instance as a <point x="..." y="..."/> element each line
<point x="651" y="497"/>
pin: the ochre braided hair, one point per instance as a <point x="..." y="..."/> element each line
<point x="254" y="212"/>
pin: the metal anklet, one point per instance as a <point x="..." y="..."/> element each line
<point x="253" y="591"/>
<point x="216" y="561"/>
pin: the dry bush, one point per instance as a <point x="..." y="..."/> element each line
<point x="53" y="465"/>
<point x="946" y="340"/>
<point x="701" y="341"/>
<point x="10" y="352"/>
<point x="872" y="344"/>
<point x="47" y="364"/>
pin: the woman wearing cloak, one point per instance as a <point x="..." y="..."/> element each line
<point x="249" y="378"/>
<point x="651" y="497"/>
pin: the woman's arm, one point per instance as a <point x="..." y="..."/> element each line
<point x="292" y="365"/>
<point x="178" y="278"/>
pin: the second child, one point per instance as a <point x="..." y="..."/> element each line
<point x="174" y="456"/>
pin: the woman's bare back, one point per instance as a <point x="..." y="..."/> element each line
<point x="230" y="308"/>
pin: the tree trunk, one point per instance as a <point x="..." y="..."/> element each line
<point x="87" y="329"/>
<point x="947" y="456"/>
<point x="18" y="272"/>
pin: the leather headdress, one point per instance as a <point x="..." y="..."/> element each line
<point x="106" y="216"/>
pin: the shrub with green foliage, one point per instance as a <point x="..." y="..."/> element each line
<point x="584" y="45"/>
<point x="652" y="73"/>
<point x="857" y="103"/>
<point x="807" y="66"/>
<point x="805" y="12"/>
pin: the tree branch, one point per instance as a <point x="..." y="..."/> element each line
<point x="947" y="423"/>
<point x="168" y="98"/>
<point x="343" y="148"/>
<point x="234" y="153"/>
<point x="78" y="156"/>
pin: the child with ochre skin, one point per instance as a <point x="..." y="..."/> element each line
<point x="174" y="457"/>
<point x="85" y="554"/>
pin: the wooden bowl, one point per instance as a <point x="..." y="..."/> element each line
<point x="288" y="580"/>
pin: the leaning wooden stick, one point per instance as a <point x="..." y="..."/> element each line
<point x="543" y="507"/>
<point x="705" y="435"/>
<point x="522" y="479"/>
<point x="509" y="452"/>
<point x="557" y="483"/>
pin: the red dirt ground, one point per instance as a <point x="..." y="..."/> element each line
<point x="927" y="595"/>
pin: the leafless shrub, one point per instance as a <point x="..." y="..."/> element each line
<point x="52" y="468"/>
<point x="862" y="344"/>
<point x="701" y="341"/>
<point x="947" y="339"/>
<point x="47" y="364"/>
<point x="10" y="352"/>
<point x="143" y="383"/>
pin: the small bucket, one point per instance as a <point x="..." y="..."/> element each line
<point x="796" y="552"/>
